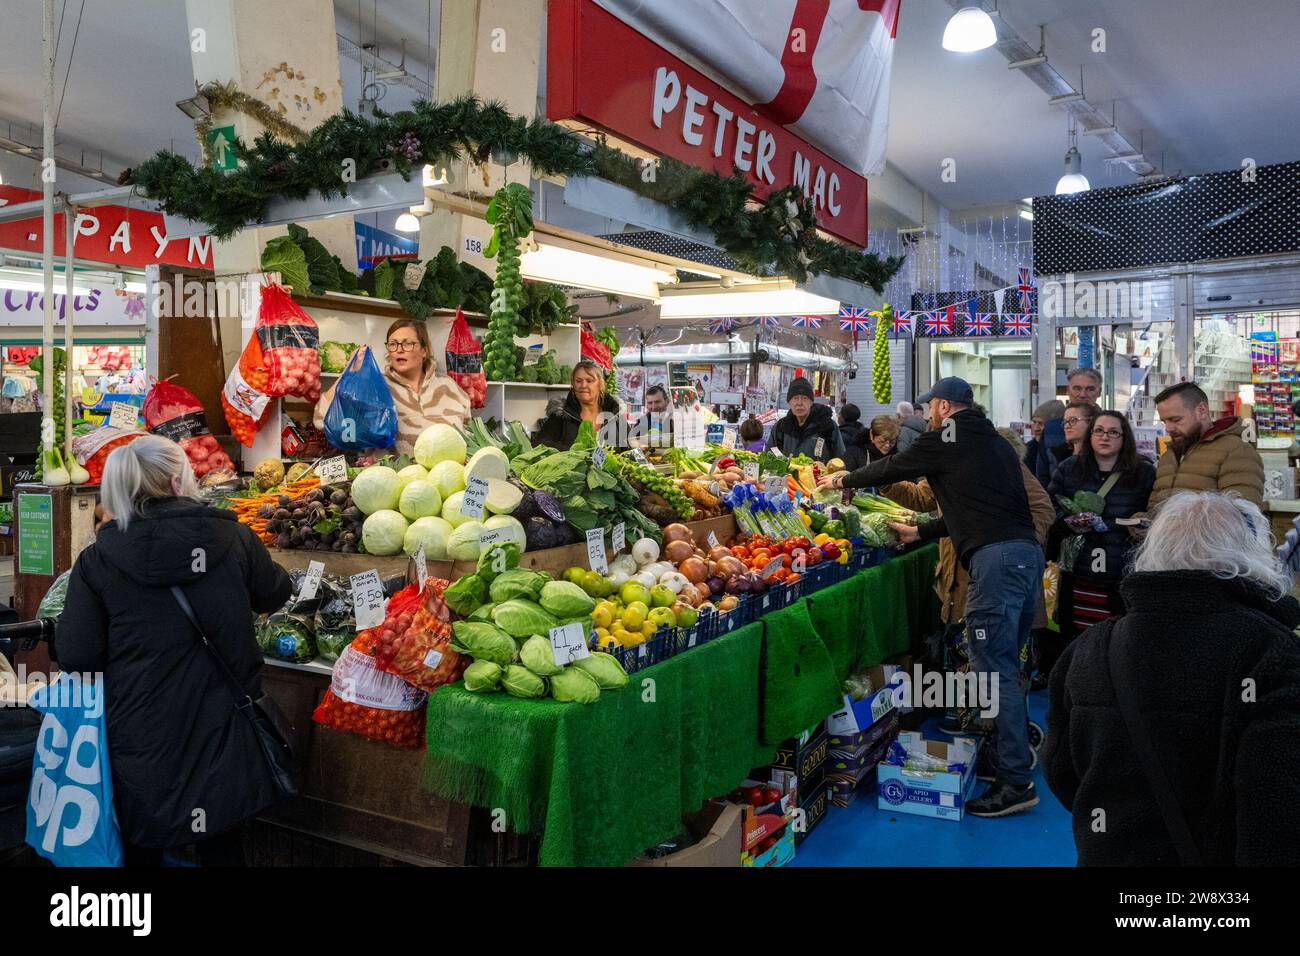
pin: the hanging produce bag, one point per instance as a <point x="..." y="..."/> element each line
<point x="421" y="653"/>
<point x="362" y="414"/>
<point x="174" y="412"/>
<point x="92" y="449"/>
<point x="290" y="341"/>
<point x="596" y="350"/>
<point x="245" y="398"/>
<point x="465" y="361"/>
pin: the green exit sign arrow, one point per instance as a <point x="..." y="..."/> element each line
<point x="220" y="140"/>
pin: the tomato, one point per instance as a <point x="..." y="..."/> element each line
<point x="831" y="552"/>
<point x="754" y="796"/>
<point x="741" y="552"/>
<point x="772" y="795"/>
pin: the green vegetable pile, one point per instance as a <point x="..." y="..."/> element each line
<point x="651" y="481"/>
<point x="447" y="283"/>
<point x="1084" y="502"/>
<point x="591" y="497"/>
<point x="544" y="307"/>
<point x="306" y="265"/>
<point x="545" y="371"/>
<point x="510" y="213"/>
<point x="882" y="387"/>
<point x="609" y="338"/>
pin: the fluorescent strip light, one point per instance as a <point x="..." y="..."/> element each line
<point x="608" y="272"/>
<point x="745" y="302"/>
<point x="1026" y="214"/>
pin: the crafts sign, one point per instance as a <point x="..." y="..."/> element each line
<point x="602" y="72"/>
<point x="112" y="234"/>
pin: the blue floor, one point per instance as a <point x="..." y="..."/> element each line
<point x="862" y="835"/>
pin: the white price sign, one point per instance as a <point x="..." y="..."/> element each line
<point x="772" y="567"/>
<point x="774" y="484"/>
<point x="311" y="580"/>
<point x="639" y="457"/>
<point x="368" y="599"/>
<point x="421" y="567"/>
<point x="598" y="456"/>
<point x="619" y="537"/>
<point x="123" y="415"/>
<point x="474" y="245"/>
<point x="751" y="471"/>
<point x="414" y="275"/>
<point x="333" y="470"/>
<point x="729" y="437"/>
<point x="596" y="551"/>
<point x="569" y="644"/>
<point x="713" y="540"/>
<point x="489" y="539"/>
<point x="475" y="499"/>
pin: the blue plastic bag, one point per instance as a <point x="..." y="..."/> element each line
<point x="362" y="414"/>
<point x="70" y="818"/>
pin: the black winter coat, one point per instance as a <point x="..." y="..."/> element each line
<point x="1191" y="643"/>
<point x="850" y="431"/>
<point x="795" y="439"/>
<point x="176" y="743"/>
<point x="559" y="429"/>
<point x="1127" y="498"/>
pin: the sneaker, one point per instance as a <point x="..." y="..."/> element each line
<point x="1002" y="799"/>
<point x="986" y="764"/>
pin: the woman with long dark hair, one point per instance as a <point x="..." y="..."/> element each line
<point x="1107" y="464"/>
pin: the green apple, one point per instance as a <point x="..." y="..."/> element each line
<point x="661" y="595"/>
<point x="662" y="617"/>
<point x="633" y="592"/>
<point x="687" y="616"/>
<point x="593" y="583"/>
<point x="574" y="575"/>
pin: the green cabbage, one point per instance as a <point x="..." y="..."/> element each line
<point x="518" y="584"/>
<point x="439" y="443"/>
<point x="482" y="676"/>
<point x="504" y="556"/>
<point x="483" y="642"/>
<point x="463" y="542"/>
<point x="376" y="489"/>
<point x="512" y="525"/>
<point x="481" y="616"/>
<point x="420" y="499"/>
<point x="572" y="685"/>
<point x="522" y="618"/>
<point x="383" y="533"/>
<point x="519" y="681"/>
<point x="539" y="657"/>
<point x="605" y="668"/>
<point x="448" y="477"/>
<point x="409" y="474"/>
<point x="564" y="599"/>
<point x="433" y="533"/>
<point x="467" y="595"/>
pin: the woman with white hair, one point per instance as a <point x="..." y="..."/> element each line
<point x="911" y="425"/>
<point x="187" y="766"/>
<point x="1172" y="730"/>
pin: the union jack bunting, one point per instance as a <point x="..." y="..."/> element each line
<point x="719" y="326"/>
<point x="1025" y="288"/>
<point x="771" y="321"/>
<point x="981" y="323"/>
<point x="853" y="312"/>
<point x="939" y="322"/>
<point x="809" y="322"/>
<point x="904" y="323"/>
<point x="856" y="323"/>
<point x="1021" y="326"/>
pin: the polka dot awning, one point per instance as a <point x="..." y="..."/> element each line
<point x="1241" y="212"/>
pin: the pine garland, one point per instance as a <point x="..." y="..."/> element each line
<point x="225" y="96"/>
<point x="774" y="236"/>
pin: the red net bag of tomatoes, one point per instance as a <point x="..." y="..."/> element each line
<point x="173" y="412"/>
<point x="362" y="698"/>
<point x="290" y="340"/>
<point x="465" y="361"/>
<point x="246" y="398"/>
<point x="419" y="650"/>
<point x="92" y="449"/>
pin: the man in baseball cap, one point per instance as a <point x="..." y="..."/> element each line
<point x="977" y="481"/>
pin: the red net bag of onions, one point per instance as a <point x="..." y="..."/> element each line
<point x="289" y="339"/>
<point x="246" y="399"/>
<point x="174" y="412"/>
<point x="465" y="361"/>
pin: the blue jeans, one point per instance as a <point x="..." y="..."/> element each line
<point x="1005" y="580"/>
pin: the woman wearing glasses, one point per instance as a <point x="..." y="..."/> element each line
<point x="1107" y="464"/>
<point x="421" y="396"/>
<point x="878" y="441"/>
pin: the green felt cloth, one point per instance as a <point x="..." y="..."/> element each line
<point x="799" y="684"/>
<point x="837" y="615"/>
<point x="602" y="782"/>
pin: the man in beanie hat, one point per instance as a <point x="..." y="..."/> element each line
<point x="808" y="429"/>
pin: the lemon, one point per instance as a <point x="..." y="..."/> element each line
<point x="634" y="616"/>
<point x="603" y="616"/>
<point x="647" y="631"/>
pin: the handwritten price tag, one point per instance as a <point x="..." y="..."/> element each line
<point x="771" y="567"/>
<point x="596" y="551"/>
<point x="311" y="580"/>
<point x="421" y="568"/>
<point x="619" y="537"/>
<point x="774" y="484"/>
<point x="639" y="456"/>
<point x="713" y="540"/>
<point x="123" y="415"/>
<point x="751" y="471"/>
<point x="598" y="456"/>
<point x="368" y="599"/>
<point x="475" y="499"/>
<point x="414" y="275"/>
<point x="569" y="644"/>
<point x="490" y="539"/>
<point x="729" y="438"/>
<point x="333" y="470"/>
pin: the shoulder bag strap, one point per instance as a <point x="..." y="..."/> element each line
<point x="1107" y="485"/>
<point x="242" y="698"/>
<point x="1148" y="760"/>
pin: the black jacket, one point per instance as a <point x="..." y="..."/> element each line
<point x="976" y="479"/>
<point x="176" y="743"/>
<point x="563" y="419"/>
<point x="861" y="452"/>
<point x="795" y="439"/>
<point x="850" y="431"/>
<point x="1128" y="497"/>
<point x="1194" y="645"/>
<point x="1052" y="450"/>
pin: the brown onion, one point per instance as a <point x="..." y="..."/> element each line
<point x="718" y="553"/>
<point x="695" y="570"/>
<point x="678" y="551"/>
<point x="731" y="566"/>
<point x="679" y="532"/>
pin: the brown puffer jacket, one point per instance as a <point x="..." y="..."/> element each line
<point x="951" y="580"/>
<point x="1220" y="461"/>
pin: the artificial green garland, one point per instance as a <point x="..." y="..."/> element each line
<point x="777" y="234"/>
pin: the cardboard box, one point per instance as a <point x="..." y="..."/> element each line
<point x="778" y="855"/>
<point x="803" y="755"/>
<point x="942" y="795"/>
<point x="765" y="821"/>
<point x="813" y="807"/>
<point x="864" y="738"/>
<point x="857" y="716"/>
<point x="717" y="828"/>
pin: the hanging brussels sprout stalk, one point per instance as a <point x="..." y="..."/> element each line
<point x="510" y="213"/>
<point x="882" y="386"/>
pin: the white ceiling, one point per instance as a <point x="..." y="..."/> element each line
<point x="1210" y="82"/>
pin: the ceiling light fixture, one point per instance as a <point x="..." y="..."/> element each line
<point x="1073" y="181"/>
<point x="562" y="262"/>
<point x="407" y="223"/>
<point x="767" y="298"/>
<point x="970" y="29"/>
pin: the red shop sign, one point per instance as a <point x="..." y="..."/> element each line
<point x="601" y="72"/>
<point x="109" y="234"/>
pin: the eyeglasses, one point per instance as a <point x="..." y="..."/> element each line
<point x="1074" y="421"/>
<point x="402" y="346"/>
<point x="1107" y="433"/>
